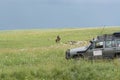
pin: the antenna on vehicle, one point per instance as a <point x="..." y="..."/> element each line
<point x="102" y="29"/>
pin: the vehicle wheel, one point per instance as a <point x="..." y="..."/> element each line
<point x="108" y="58"/>
<point x="78" y="57"/>
<point x="117" y="55"/>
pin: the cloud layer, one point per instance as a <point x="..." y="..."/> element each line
<point x="55" y="13"/>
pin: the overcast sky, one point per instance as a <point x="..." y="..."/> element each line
<point x="58" y="13"/>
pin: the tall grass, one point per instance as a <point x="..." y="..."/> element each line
<point x="34" y="55"/>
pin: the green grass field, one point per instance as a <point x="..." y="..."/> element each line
<point x="34" y="55"/>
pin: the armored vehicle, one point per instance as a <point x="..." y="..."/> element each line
<point x="104" y="46"/>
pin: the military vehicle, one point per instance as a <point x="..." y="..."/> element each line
<point x="104" y="46"/>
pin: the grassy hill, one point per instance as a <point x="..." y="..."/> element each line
<point x="34" y="55"/>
